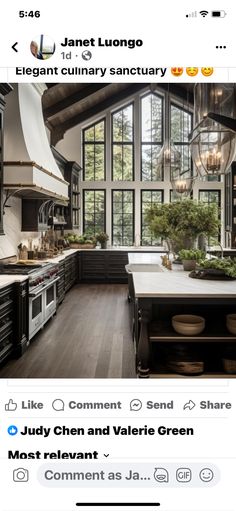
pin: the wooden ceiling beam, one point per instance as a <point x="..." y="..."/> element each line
<point x="186" y="94"/>
<point x="69" y="101"/>
<point x="100" y="107"/>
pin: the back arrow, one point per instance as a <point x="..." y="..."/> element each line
<point x="14" y="47"/>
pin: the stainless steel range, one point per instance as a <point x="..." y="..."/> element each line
<point x="42" y="291"/>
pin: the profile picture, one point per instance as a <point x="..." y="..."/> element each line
<point x="42" y="47"/>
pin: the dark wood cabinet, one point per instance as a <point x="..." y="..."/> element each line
<point x="4" y="90"/>
<point x="71" y="271"/>
<point x="14" y="310"/>
<point x="230" y="208"/>
<point x="21" y="323"/>
<point x="72" y="175"/>
<point x="61" y="283"/>
<point x="6" y="322"/>
<point x="71" y="172"/>
<point x="34" y="215"/>
<point x="69" y="274"/>
<point x="104" y="266"/>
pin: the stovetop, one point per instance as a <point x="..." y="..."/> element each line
<point x="22" y="269"/>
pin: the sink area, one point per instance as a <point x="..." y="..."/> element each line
<point x="133" y="267"/>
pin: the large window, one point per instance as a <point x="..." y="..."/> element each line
<point x="122" y="168"/>
<point x="94" y="152"/>
<point x="94" y="211"/>
<point x="122" y="145"/>
<point x="123" y="217"/>
<point x="151" y="136"/>
<point x="148" y="199"/>
<point x="212" y="197"/>
<point x="181" y="126"/>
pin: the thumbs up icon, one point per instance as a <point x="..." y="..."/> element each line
<point x="10" y="406"/>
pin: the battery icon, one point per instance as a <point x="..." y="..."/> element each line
<point x="218" y="14"/>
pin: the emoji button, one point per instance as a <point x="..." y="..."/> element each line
<point x="177" y="71"/>
<point x="192" y="71"/>
<point x="207" y="71"/>
<point x="206" y="475"/>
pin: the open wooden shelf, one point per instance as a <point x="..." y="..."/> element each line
<point x="162" y="331"/>
<point x="202" y="376"/>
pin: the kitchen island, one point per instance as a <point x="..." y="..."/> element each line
<point x="159" y="296"/>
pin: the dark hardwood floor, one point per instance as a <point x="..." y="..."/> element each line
<point x="90" y="337"/>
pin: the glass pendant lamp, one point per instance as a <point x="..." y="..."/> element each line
<point x="213" y="145"/>
<point x="213" y="148"/>
<point x="181" y="176"/>
<point x="169" y="156"/>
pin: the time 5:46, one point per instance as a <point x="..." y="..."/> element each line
<point x="29" y="14"/>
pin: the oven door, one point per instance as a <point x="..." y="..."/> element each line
<point x="50" y="300"/>
<point x="36" y="313"/>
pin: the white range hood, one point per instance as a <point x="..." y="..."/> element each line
<point x="29" y="164"/>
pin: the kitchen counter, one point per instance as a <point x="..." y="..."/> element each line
<point x="159" y="296"/>
<point x="7" y="280"/>
<point x="61" y="257"/>
<point x="158" y="250"/>
<point x="144" y="258"/>
<point x="177" y="284"/>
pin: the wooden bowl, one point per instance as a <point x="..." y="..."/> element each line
<point x="231" y="323"/>
<point x="188" y="324"/>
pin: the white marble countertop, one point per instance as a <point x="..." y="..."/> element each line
<point x="144" y="258"/>
<point x="156" y="250"/>
<point x="178" y="284"/>
<point x="6" y="280"/>
<point x="60" y="257"/>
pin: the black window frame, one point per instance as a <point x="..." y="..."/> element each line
<point x="142" y="215"/>
<point x="180" y="144"/>
<point x="92" y="125"/>
<point x="219" y="205"/>
<point x="112" y="213"/>
<point x="149" y="93"/>
<point x="84" y="202"/>
<point x="131" y="103"/>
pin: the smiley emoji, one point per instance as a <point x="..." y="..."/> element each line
<point x="192" y="71"/>
<point x="207" y="71"/>
<point x="206" y="475"/>
<point x="177" y="71"/>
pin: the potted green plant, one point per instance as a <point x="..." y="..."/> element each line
<point x="218" y="267"/>
<point x="81" y="241"/>
<point x="180" y="223"/>
<point x="102" y="238"/>
<point x="190" y="257"/>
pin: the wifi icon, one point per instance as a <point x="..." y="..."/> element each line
<point x="204" y="13"/>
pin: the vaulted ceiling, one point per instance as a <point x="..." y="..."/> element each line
<point x="66" y="105"/>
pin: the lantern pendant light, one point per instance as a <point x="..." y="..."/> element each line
<point x="169" y="157"/>
<point x="182" y="177"/>
<point x="213" y="145"/>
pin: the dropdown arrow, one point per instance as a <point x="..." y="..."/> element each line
<point x="106" y="455"/>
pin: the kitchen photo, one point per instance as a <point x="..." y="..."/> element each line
<point x="118" y="230"/>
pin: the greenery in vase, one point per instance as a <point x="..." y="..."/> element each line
<point x="227" y="265"/>
<point x="191" y="255"/>
<point x="181" y="222"/>
<point x="102" y="237"/>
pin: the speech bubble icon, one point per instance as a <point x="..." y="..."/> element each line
<point x="58" y="405"/>
<point x="135" y="405"/>
<point x="161" y="475"/>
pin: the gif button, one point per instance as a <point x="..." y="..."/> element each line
<point x="183" y="475"/>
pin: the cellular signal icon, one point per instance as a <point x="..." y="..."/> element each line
<point x="204" y="13"/>
<point x="192" y="14"/>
